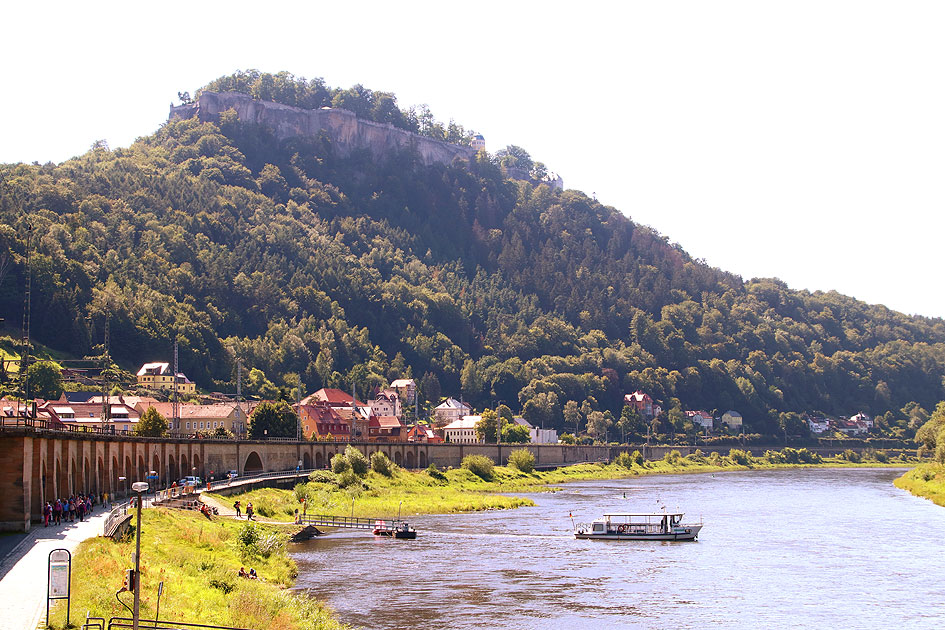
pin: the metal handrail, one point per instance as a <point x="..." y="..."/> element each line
<point x="153" y="624"/>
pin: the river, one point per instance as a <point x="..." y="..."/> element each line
<point x="816" y="548"/>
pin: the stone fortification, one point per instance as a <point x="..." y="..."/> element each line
<point x="346" y="131"/>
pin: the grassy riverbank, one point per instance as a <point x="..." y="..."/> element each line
<point x="198" y="560"/>
<point x="925" y="480"/>
<point x="460" y="490"/>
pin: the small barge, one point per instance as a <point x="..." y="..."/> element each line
<point x="394" y="529"/>
<point x="639" y="526"/>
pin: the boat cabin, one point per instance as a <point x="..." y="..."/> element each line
<point x="637" y="523"/>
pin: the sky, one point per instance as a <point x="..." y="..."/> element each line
<point x="801" y="140"/>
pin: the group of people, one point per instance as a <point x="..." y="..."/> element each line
<point x="251" y="575"/>
<point x="67" y="509"/>
<point x="249" y="510"/>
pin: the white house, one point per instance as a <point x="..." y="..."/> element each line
<point x="701" y="418"/>
<point x="450" y="410"/>
<point x="386" y="403"/>
<point x="538" y="436"/>
<point x="406" y="388"/>
<point x="462" y="431"/>
<point x="864" y="419"/>
<point x="818" y="425"/>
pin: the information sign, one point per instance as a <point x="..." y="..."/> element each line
<point x="59" y="578"/>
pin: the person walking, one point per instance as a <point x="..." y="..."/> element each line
<point x="57" y="512"/>
<point x="47" y="514"/>
<point x="249" y="511"/>
<point x="236" y="506"/>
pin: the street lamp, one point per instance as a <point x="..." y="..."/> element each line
<point x="138" y="487"/>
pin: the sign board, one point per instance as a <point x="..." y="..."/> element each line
<point x="59" y="578"/>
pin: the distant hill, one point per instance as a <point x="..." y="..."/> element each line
<point x="343" y="269"/>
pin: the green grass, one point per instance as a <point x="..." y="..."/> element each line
<point x="925" y="480"/>
<point x="198" y="561"/>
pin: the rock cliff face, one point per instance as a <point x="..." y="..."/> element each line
<point x="346" y="130"/>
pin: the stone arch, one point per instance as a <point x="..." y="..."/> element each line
<point x="411" y="460"/>
<point x="100" y="476"/>
<point x="71" y="481"/>
<point x="306" y="460"/>
<point x="398" y="459"/>
<point x="156" y="465"/>
<point x="116" y="483"/>
<point x="319" y="460"/>
<point x="87" y="477"/>
<point x="184" y="466"/>
<point x="142" y="471"/>
<point x="195" y="464"/>
<point x="44" y="487"/>
<point x="423" y="459"/>
<point x="58" y="480"/>
<point x="130" y="471"/>
<point x="253" y="463"/>
<point x="175" y="468"/>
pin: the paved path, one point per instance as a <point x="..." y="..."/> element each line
<point x="23" y="570"/>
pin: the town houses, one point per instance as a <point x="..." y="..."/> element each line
<point x="391" y="413"/>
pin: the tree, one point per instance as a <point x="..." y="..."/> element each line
<point x="273" y="420"/>
<point x="598" y="424"/>
<point x="45" y="380"/>
<point x="515" y="434"/>
<point x="152" y="424"/>
<point x="631" y="422"/>
<point x="430" y="387"/>
<point x="486" y="427"/>
<point x="572" y="414"/>
<point x="932" y="434"/>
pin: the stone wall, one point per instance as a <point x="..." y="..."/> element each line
<point x="346" y="131"/>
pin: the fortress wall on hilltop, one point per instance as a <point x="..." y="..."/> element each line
<point x="346" y="130"/>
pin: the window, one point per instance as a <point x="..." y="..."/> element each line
<point x="201" y="425"/>
<point x="188" y="425"/>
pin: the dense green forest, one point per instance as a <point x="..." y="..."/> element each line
<point x="349" y="272"/>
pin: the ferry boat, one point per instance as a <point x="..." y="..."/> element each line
<point x="394" y="529"/>
<point x="639" y="526"/>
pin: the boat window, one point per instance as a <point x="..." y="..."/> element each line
<point x="598" y="527"/>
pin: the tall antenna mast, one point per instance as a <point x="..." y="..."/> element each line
<point x="175" y="407"/>
<point x="239" y="394"/>
<point x="25" y="353"/>
<point x="106" y="362"/>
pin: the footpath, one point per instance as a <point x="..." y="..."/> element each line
<point x="23" y="570"/>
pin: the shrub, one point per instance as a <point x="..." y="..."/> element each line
<point x="567" y="438"/>
<point x="248" y="536"/>
<point x="624" y="460"/>
<point x="672" y="457"/>
<point x="806" y="456"/>
<point x="523" y="460"/>
<point x="434" y="472"/>
<point x="381" y="464"/>
<point x="301" y="491"/>
<point x="851" y="456"/>
<point x="359" y="463"/>
<point x="348" y="478"/>
<point x="697" y="456"/>
<point x="222" y="585"/>
<point x="740" y="457"/>
<point x="637" y="458"/>
<point x="715" y="459"/>
<point x="773" y="457"/>
<point x="479" y="465"/>
<point x="340" y="464"/>
<point x="322" y="476"/>
<point x="269" y="545"/>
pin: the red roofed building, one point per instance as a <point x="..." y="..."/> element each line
<point x="642" y="402"/>
<point x="423" y="434"/>
<point x="386" y="429"/>
<point x="321" y="421"/>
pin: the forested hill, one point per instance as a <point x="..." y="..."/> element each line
<point x="353" y="272"/>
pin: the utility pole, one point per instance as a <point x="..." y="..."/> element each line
<point x="175" y="407"/>
<point x="27" y="301"/>
<point x="239" y="394"/>
<point x="106" y="408"/>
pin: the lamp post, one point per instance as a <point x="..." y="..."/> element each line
<point x="138" y="487"/>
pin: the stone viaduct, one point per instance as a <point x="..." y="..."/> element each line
<point x="37" y="465"/>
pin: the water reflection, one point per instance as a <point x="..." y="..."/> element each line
<point x="808" y="548"/>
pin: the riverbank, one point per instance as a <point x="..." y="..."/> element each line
<point x="198" y="559"/>
<point x="460" y="490"/>
<point x="926" y="481"/>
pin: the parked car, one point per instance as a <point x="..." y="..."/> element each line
<point x="190" y="480"/>
<point x="232" y="474"/>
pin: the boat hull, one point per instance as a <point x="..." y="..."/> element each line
<point x="688" y="532"/>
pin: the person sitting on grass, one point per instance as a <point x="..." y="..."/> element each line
<point x="252" y="574"/>
<point x="243" y="573"/>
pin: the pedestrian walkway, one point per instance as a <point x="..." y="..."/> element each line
<point x="23" y="570"/>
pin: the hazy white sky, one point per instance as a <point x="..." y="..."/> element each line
<point x="802" y="140"/>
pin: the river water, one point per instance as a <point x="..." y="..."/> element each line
<point x="817" y="548"/>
